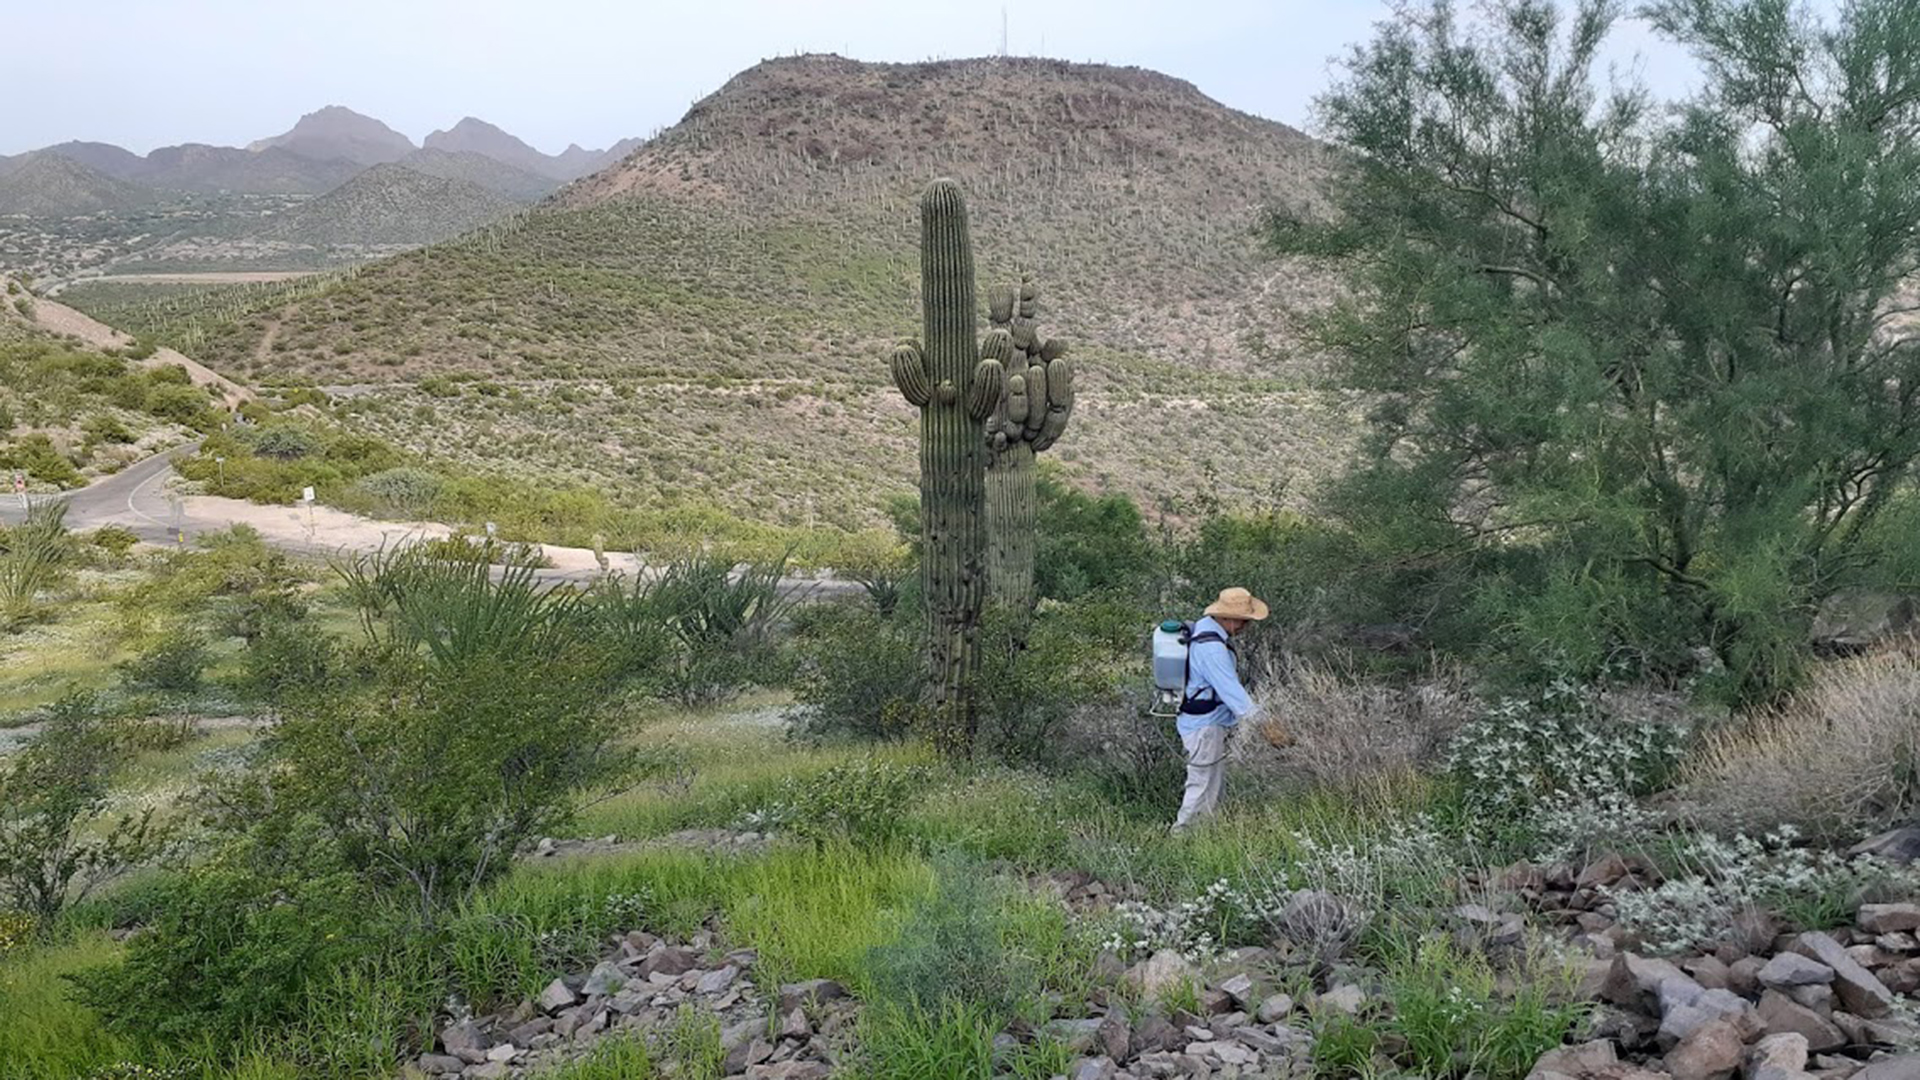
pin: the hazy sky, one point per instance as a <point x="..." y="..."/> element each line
<point x="146" y="73"/>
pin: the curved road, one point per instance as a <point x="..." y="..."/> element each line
<point x="135" y="498"/>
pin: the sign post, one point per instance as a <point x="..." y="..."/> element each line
<point x="20" y="489"/>
<point x="306" y="496"/>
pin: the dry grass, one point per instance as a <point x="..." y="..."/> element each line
<point x="1324" y="727"/>
<point x="1843" y="754"/>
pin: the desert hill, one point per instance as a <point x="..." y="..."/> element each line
<point x="488" y="172"/>
<point x="52" y="185"/>
<point x="392" y="205"/>
<point x="479" y="137"/>
<point x="709" y="317"/>
<point x="339" y="132"/>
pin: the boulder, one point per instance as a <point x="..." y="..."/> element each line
<point x="1888" y="918"/>
<point x="1892" y="1067"/>
<point x="1603" y="872"/>
<point x="1160" y="973"/>
<point x="1743" y="976"/>
<point x="1901" y="845"/>
<point x="1114" y="1036"/>
<point x="524" y="1035"/>
<point x="1576" y="1061"/>
<point x="1709" y="971"/>
<point x="440" y="1065"/>
<point x="1858" y="989"/>
<point x="1240" y="989"/>
<point x="1785" y="1051"/>
<point x="1154" y="1033"/>
<point x="1276" y="1007"/>
<point x="1636" y="982"/>
<point x="1710" y="1052"/>
<point x="558" y="995"/>
<point x="1783" y="1015"/>
<point x="1348" y="999"/>
<point x="716" y="981"/>
<point x="1815" y="996"/>
<point x="746" y="1054"/>
<point x="491" y="1070"/>
<point x="794" y="995"/>
<point x="604" y="981"/>
<point x="670" y="960"/>
<point x="1078" y="1036"/>
<point x="1794" y="969"/>
<point x="1091" y="1069"/>
<point x="463" y="1037"/>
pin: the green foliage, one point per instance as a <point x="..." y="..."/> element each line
<point x="862" y="800"/>
<point x="723" y="619"/>
<point x="951" y="951"/>
<point x="173" y="663"/>
<point x="1553" y="303"/>
<point x="859" y="674"/>
<point x="285" y="442"/>
<point x="953" y="1041"/>
<point x="33" y="556"/>
<point x="1088" y="543"/>
<point x="57" y="838"/>
<point x="624" y="1058"/>
<point x="36" y="456"/>
<point x="115" y="540"/>
<point x="404" y="491"/>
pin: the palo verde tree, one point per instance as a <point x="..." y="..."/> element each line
<point x="1641" y="375"/>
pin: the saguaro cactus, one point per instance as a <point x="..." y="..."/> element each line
<point x="955" y="385"/>
<point x="1031" y="415"/>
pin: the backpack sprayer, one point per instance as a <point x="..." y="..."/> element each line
<point x="1172" y="642"/>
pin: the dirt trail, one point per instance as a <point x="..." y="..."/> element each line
<point x="263" y="350"/>
<point x="58" y="318"/>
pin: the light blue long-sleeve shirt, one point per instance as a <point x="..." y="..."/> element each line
<point x="1210" y="673"/>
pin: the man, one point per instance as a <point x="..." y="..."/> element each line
<point x="1215" y="702"/>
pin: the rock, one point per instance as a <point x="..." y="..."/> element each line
<point x="1753" y="930"/>
<point x="1636" y="981"/>
<point x="795" y="1026"/>
<point x="1348" y="999"/>
<point x="794" y="995"/>
<point x="1602" y="872"/>
<point x="1681" y="1020"/>
<point x="1743" y="976"/>
<point x="1816" y="996"/>
<point x="1153" y="1033"/>
<point x="1709" y="971"/>
<point x="714" y="982"/>
<point x="1710" y="1052"/>
<point x="1240" y="989"/>
<point x="1078" y="1036"/>
<point x="1232" y="1053"/>
<point x="464" y="1036"/>
<point x="1782" y="1014"/>
<point x="557" y="996"/>
<point x="503" y="1052"/>
<point x="669" y="960"/>
<point x="1870" y="956"/>
<point x="1901" y="845"/>
<point x="1888" y="918"/>
<point x="1115" y="1037"/>
<point x="1160" y="973"/>
<point x="740" y="1034"/>
<point x="1892" y="1033"/>
<point x="1794" y="969"/>
<point x="790" y="1070"/>
<point x="1259" y="1040"/>
<point x="746" y="1053"/>
<point x="1786" y="1051"/>
<point x="492" y="1070"/>
<point x="524" y="1035"/>
<point x="1893" y="1067"/>
<point x="1902" y="978"/>
<point x="1276" y="1007"/>
<point x="440" y="1065"/>
<point x="1859" y="990"/>
<point x="1099" y="1068"/>
<point x="1576" y="1061"/>
<point x="605" y="980"/>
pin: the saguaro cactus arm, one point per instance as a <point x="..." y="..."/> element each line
<point x="910" y="374"/>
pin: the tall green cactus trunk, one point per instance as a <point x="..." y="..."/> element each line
<point x="954" y="389"/>
<point x="1010" y="529"/>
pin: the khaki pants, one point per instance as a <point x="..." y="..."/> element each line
<point x="1206" y="768"/>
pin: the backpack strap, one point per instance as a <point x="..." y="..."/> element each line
<point x="1200" y="706"/>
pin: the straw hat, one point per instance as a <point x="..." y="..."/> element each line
<point x="1238" y="603"/>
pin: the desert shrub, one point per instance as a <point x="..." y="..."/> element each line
<point x="173" y="663"/>
<point x="106" y="428"/>
<point x="36" y="456"/>
<point x="1843" y="754"/>
<point x="285" y="442"/>
<point x="287" y="657"/>
<point x="182" y="404"/>
<point x="1558" y="745"/>
<point x="1812" y="888"/>
<point x="864" y="799"/>
<point x="1090" y="543"/>
<point x="115" y="540"/>
<point x="58" y="840"/>
<point x="407" y="490"/>
<point x="1224" y="915"/>
<point x="1035" y="672"/>
<point x="235" y="952"/>
<point x="1323" y="728"/>
<point x="951" y="949"/>
<point x="33" y="556"/>
<point x="858" y="674"/>
<point x="1133" y="759"/>
<point x="723" y="620"/>
<point x="1454" y="1016"/>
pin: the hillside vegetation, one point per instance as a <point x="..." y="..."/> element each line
<point x="728" y="292"/>
<point x="391" y="205"/>
<point x="49" y="185"/>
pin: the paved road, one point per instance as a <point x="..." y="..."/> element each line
<point x="136" y="498"/>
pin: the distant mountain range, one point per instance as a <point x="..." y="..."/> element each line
<point x="319" y="153"/>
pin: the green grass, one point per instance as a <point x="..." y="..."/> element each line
<point x="40" y="1024"/>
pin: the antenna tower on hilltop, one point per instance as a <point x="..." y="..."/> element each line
<point x="1003" y="31"/>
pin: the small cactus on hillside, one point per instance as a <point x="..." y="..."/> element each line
<point x="956" y="383"/>
<point x="1031" y="415"/>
